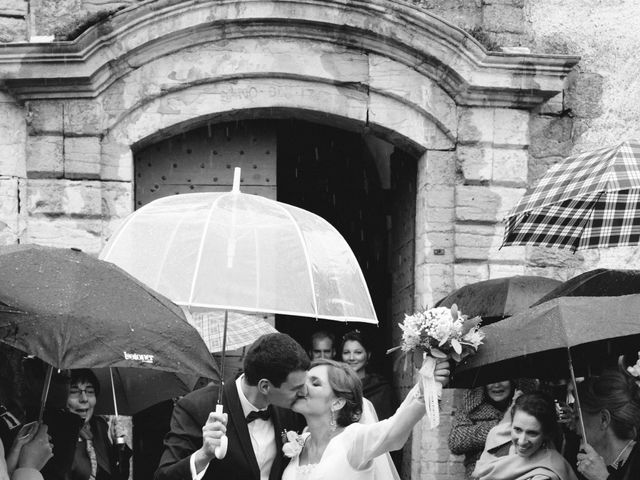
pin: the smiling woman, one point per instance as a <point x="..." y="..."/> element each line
<point x="522" y="448"/>
<point x="83" y="449"/>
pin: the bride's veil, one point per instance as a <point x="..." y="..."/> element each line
<point x="383" y="467"/>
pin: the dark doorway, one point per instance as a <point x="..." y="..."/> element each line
<point x="331" y="173"/>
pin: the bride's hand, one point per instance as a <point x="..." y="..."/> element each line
<point x="442" y="371"/>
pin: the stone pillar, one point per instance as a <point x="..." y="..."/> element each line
<point x="12" y="168"/>
<point x="492" y="159"/>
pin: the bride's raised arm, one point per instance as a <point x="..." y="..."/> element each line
<point x="375" y="439"/>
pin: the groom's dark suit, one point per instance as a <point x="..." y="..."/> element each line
<point x="189" y="416"/>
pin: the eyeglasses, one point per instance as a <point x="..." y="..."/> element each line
<point x="77" y="392"/>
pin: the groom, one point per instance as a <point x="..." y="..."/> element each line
<point x="256" y="409"/>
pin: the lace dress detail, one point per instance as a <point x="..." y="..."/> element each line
<point x="304" y="472"/>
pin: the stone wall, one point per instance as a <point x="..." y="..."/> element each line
<point x="13" y="20"/>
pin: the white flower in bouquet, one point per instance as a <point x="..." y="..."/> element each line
<point x="438" y="333"/>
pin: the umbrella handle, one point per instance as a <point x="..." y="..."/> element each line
<point x="221" y="450"/>
<point x="45" y="392"/>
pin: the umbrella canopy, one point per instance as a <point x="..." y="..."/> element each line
<point x="136" y="389"/>
<point x="242" y="329"/>
<point x="74" y="311"/>
<point x="242" y="252"/>
<point x="602" y="282"/>
<point x="499" y="298"/>
<point x="589" y="200"/>
<point x="536" y="343"/>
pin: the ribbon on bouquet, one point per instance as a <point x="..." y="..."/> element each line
<point x="432" y="390"/>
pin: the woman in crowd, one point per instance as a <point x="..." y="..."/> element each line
<point x="521" y="448"/>
<point x="375" y="388"/>
<point x="610" y="406"/>
<point x="335" y="445"/>
<point x="482" y="409"/>
<point x="82" y="448"/>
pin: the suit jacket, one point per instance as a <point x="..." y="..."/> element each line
<point x="185" y="437"/>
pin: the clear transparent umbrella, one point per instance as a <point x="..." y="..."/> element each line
<point x="243" y="252"/>
<point x="234" y="251"/>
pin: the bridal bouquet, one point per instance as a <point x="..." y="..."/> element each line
<point x="439" y="332"/>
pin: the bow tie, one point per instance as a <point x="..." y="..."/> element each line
<point x="261" y="414"/>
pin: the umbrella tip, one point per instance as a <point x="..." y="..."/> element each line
<point x="236" y="180"/>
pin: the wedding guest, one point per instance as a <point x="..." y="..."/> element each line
<point x="355" y="352"/>
<point x="322" y="345"/>
<point x="83" y="449"/>
<point x="610" y="405"/>
<point x="481" y="409"/>
<point x="521" y="447"/>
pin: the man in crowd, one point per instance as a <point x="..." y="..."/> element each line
<point x="322" y="345"/>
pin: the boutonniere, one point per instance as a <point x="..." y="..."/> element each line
<point x="291" y="443"/>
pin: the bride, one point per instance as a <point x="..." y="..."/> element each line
<point x="334" y="444"/>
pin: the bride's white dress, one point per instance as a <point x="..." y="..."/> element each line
<point x="358" y="453"/>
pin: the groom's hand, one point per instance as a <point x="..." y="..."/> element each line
<point x="212" y="432"/>
<point x="442" y="371"/>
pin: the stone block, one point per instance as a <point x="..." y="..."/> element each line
<point x="538" y="167"/>
<point x="485" y="204"/>
<point x="45" y="117"/>
<point x="433" y="282"/>
<point x="82" y="117"/>
<point x="511" y="127"/>
<point x="59" y="198"/>
<point x="514" y="3"/>
<point x="435" y="247"/>
<point x="553" y="106"/>
<point x="439" y="196"/>
<point x="82" y="157"/>
<point x="13" y="29"/>
<point x="584" y="94"/>
<point x="510" y="166"/>
<point x="116" y="161"/>
<point x="398" y="79"/>
<point x="14" y="8"/>
<point x="435" y="217"/>
<point x="9" y="210"/>
<point x="474" y="242"/>
<point x="117" y="199"/>
<point x="476" y="162"/>
<point x="550" y="136"/>
<point x="44" y="156"/>
<point x="64" y="232"/>
<point x="394" y="115"/>
<point x="466" y="273"/>
<point x="503" y="18"/>
<point x="475" y="125"/>
<point x="437" y="167"/>
<point x="498" y="270"/>
<point x="12" y="139"/>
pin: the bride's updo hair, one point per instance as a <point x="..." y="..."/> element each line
<point x="346" y="385"/>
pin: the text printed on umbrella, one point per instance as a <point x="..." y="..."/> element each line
<point x="140" y="357"/>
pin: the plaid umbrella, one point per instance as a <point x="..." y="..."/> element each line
<point x="589" y="200"/>
<point x="242" y="329"/>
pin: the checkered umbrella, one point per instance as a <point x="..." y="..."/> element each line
<point x="242" y="329"/>
<point x="591" y="200"/>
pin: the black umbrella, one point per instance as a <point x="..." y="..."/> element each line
<point x="602" y="282"/>
<point x="74" y="311"/>
<point x="499" y="298"/>
<point x="557" y="339"/>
